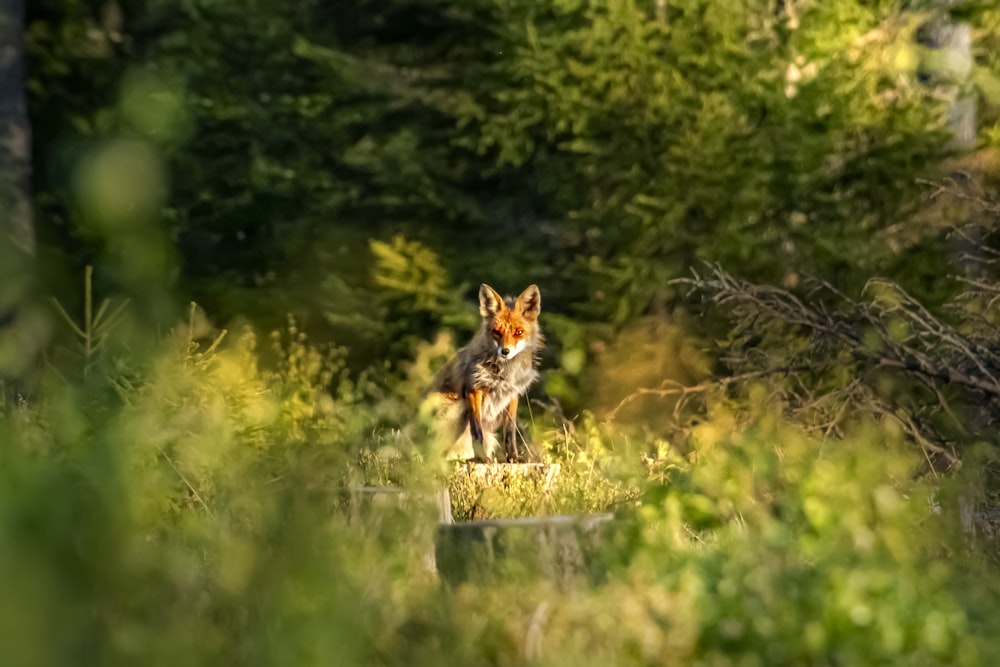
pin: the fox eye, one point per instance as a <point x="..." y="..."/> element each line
<point x="497" y="333"/>
<point x="518" y="332"/>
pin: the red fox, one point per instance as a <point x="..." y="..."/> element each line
<point x="500" y="362"/>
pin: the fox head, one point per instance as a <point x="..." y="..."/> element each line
<point x="511" y="324"/>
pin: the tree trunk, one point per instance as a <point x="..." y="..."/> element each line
<point x="17" y="243"/>
<point x="19" y="339"/>
<point x="949" y="66"/>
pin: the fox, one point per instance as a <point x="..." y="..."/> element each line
<point x="486" y="377"/>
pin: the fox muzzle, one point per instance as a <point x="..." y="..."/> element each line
<point x="509" y="351"/>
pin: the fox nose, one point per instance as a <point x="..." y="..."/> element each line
<point x="504" y="351"/>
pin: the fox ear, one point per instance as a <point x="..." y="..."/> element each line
<point x="490" y="303"/>
<point x="529" y="303"/>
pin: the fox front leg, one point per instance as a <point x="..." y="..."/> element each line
<point x="510" y="432"/>
<point x="474" y="403"/>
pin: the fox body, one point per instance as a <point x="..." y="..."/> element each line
<point x="500" y="362"/>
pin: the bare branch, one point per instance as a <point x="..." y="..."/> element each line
<point x="887" y="334"/>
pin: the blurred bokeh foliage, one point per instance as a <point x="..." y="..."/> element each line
<point x="330" y="182"/>
<point x="202" y="520"/>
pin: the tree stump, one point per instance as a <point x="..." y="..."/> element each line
<point x="566" y="549"/>
<point x="392" y="514"/>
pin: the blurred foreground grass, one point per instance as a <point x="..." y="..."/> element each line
<point x="186" y="510"/>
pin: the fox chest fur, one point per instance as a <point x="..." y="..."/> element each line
<point x="501" y="380"/>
